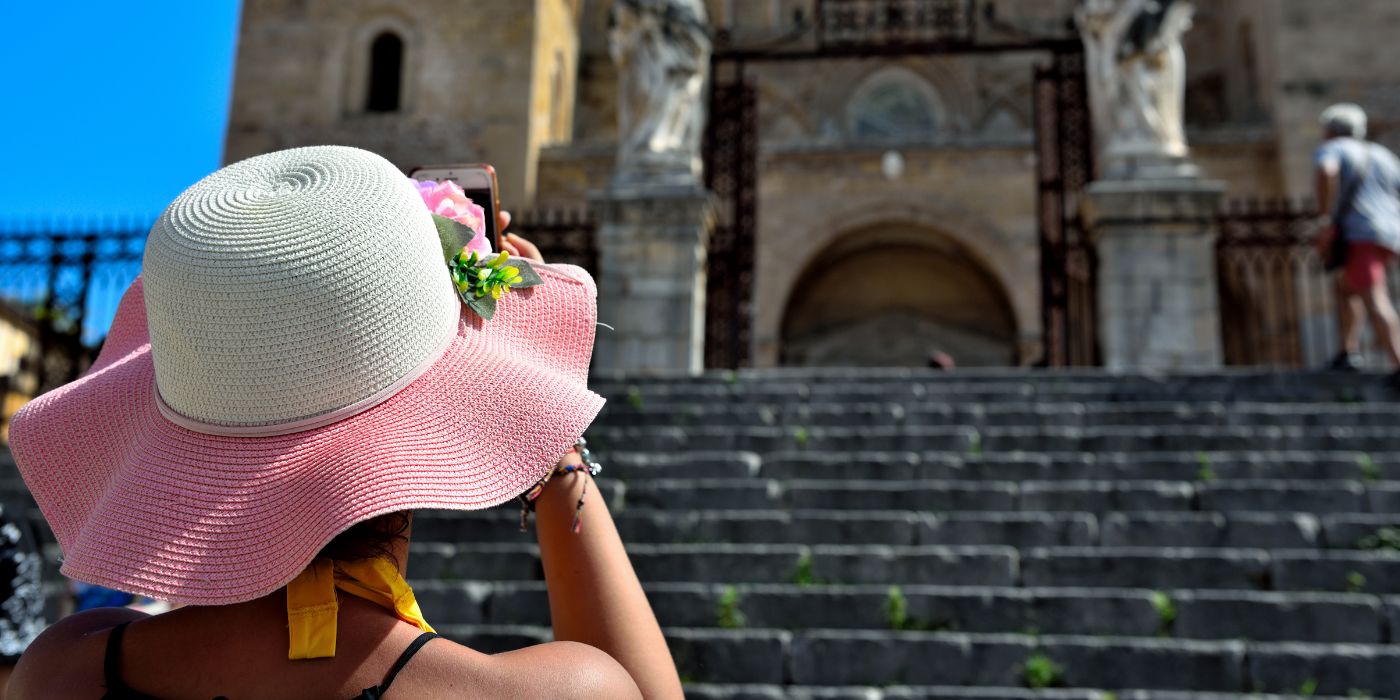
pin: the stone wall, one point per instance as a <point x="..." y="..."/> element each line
<point x="1326" y="53"/>
<point x="975" y="203"/>
<point x="468" y="77"/>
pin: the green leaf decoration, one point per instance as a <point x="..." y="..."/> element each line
<point x="453" y="235"/>
<point x="529" y="278"/>
<point x="485" y="307"/>
<point x="480" y="282"/>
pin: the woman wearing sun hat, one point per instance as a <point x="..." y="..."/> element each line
<point x="294" y="372"/>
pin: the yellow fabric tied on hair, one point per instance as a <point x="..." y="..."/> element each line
<point x="312" y="606"/>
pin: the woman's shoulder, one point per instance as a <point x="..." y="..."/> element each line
<point x="67" y="655"/>
<point x="555" y="670"/>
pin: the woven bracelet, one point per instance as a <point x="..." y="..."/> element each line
<point x="527" y="499"/>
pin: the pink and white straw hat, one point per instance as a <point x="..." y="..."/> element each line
<point x="294" y="359"/>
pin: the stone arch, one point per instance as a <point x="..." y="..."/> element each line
<point x="890" y="294"/>
<point x="360" y="61"/>
<point x="895" y="103"/>
<point x="1014" y="264"/>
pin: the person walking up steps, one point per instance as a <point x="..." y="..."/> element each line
<point x="1357" y="186"/>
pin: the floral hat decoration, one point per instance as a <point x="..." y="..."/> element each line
<point x="480" y="277"/>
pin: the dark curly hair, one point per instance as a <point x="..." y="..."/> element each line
<point x="371" y="538"/>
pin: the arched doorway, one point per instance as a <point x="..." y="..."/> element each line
<point x="890" y="297"/>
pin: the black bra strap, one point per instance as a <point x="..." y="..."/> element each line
<point x="403" y="659"/>
<point x="111" y="661"/>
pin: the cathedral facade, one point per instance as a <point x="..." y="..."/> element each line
<point x="896" y="196"/>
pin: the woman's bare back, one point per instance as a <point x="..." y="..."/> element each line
<point x="240" y="651"/>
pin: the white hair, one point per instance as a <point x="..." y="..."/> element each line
<point x="1344" y="119"/>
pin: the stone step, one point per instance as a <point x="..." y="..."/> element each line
<point x="754" y="691"/>
<point x="1262" y="530"/>
<point x="1048" y="465"/>
<point x="1204" y="614"/>
<point x="889" y="658"/>
<point x="634" y="411"/>
<point x="865" y="386"/>
<point x="1093" y="567"/>
<point x="964" y="440"/>
<point x="1217" y="495"/>
<point x="739" y="563"/>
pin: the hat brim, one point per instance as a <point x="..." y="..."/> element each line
<point x="143" y="505"/>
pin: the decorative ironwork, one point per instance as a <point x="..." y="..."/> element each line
<point x="895" y="22"/>
<point x="60" y="286"/>
<point x="1064" y="166"/>
<point x="562" y="235"/>
<point x="731" y="172"/>
<point x="1276" y="301"/>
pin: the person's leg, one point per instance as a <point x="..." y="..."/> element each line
<point x="1348" y="318"/>
<point x="1384" y="322"/>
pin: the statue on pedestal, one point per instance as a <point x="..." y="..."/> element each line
<point x="1137" y="84"/>
<point x="662" y="52"/>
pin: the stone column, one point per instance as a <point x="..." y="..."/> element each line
<point x="651" y="277"/>
<point x="1158" y="305"/>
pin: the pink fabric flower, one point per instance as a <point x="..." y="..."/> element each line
<point x="447" y="199"/>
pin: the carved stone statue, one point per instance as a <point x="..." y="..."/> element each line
<point x="662" y="52"/>
<point x="1137" y="83"/>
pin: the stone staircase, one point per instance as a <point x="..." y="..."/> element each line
<point x="910" y="534"/>
<point x="902" y="534"/>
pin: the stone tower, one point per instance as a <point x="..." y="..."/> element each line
<point x="421" y="82"/>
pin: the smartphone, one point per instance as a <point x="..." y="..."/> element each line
<point x="478" y="180"/>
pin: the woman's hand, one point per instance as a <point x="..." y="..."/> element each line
<point x="516" y="245"/>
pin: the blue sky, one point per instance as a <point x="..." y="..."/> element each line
<point x="110" y="108"/>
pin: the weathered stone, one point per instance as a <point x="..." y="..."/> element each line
<point x="1145" y="568"/>
<point x="947" y="566"/>
<point x="1014" y="529"/>
<point x="1287" y="496"/>
<point x="1335" y="669"/>
<point x="906" y="658"/>
<point x="1278" y="617"/>
<point x="1354" y="572"/>
<point x="730" y="656"/>
<point x="719" y="563"/>
<point x="1101" y="496"/>
<point x="1147" y="663"/>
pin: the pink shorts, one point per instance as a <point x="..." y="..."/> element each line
<point x="1365" y="266"/>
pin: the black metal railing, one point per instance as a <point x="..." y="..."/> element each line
<point x="60" y="283"/>
<point x="562" y="235"/>
<point x="1276" y="300"/>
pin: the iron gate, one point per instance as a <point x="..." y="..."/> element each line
<point x="1064" y="166"/>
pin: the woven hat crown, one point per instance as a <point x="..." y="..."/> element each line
<point x="294" y="285"/>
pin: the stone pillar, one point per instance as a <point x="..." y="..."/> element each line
<point x="1158" y="305"/>
<point x="651" y="277"/>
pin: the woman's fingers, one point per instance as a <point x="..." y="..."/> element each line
<point x="523" y="248"/>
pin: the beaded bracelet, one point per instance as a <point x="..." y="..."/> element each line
<point x="527" y="499"/>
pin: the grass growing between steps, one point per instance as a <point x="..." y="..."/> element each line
<point x="1041" y="672"/>
<point x="1207" y="470"/>
<point x="727" y="613"/>
<point x="1370" y="473"/>
<point x="1382" y="539"/>
<point x="1166" y="613"/>
<point x="803" y="575"/>
<point x="897" y="614"/>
